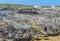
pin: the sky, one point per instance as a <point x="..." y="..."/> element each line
<point x="33" y="2"/>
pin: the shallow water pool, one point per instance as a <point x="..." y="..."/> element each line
<point x="22" y="25"/>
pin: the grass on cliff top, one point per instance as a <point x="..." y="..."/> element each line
<point x="15" y="6"/>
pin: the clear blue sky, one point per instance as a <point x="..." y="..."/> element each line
<point x="33" y="2"/>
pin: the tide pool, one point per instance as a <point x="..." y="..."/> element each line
<point x="22" y="25"/>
